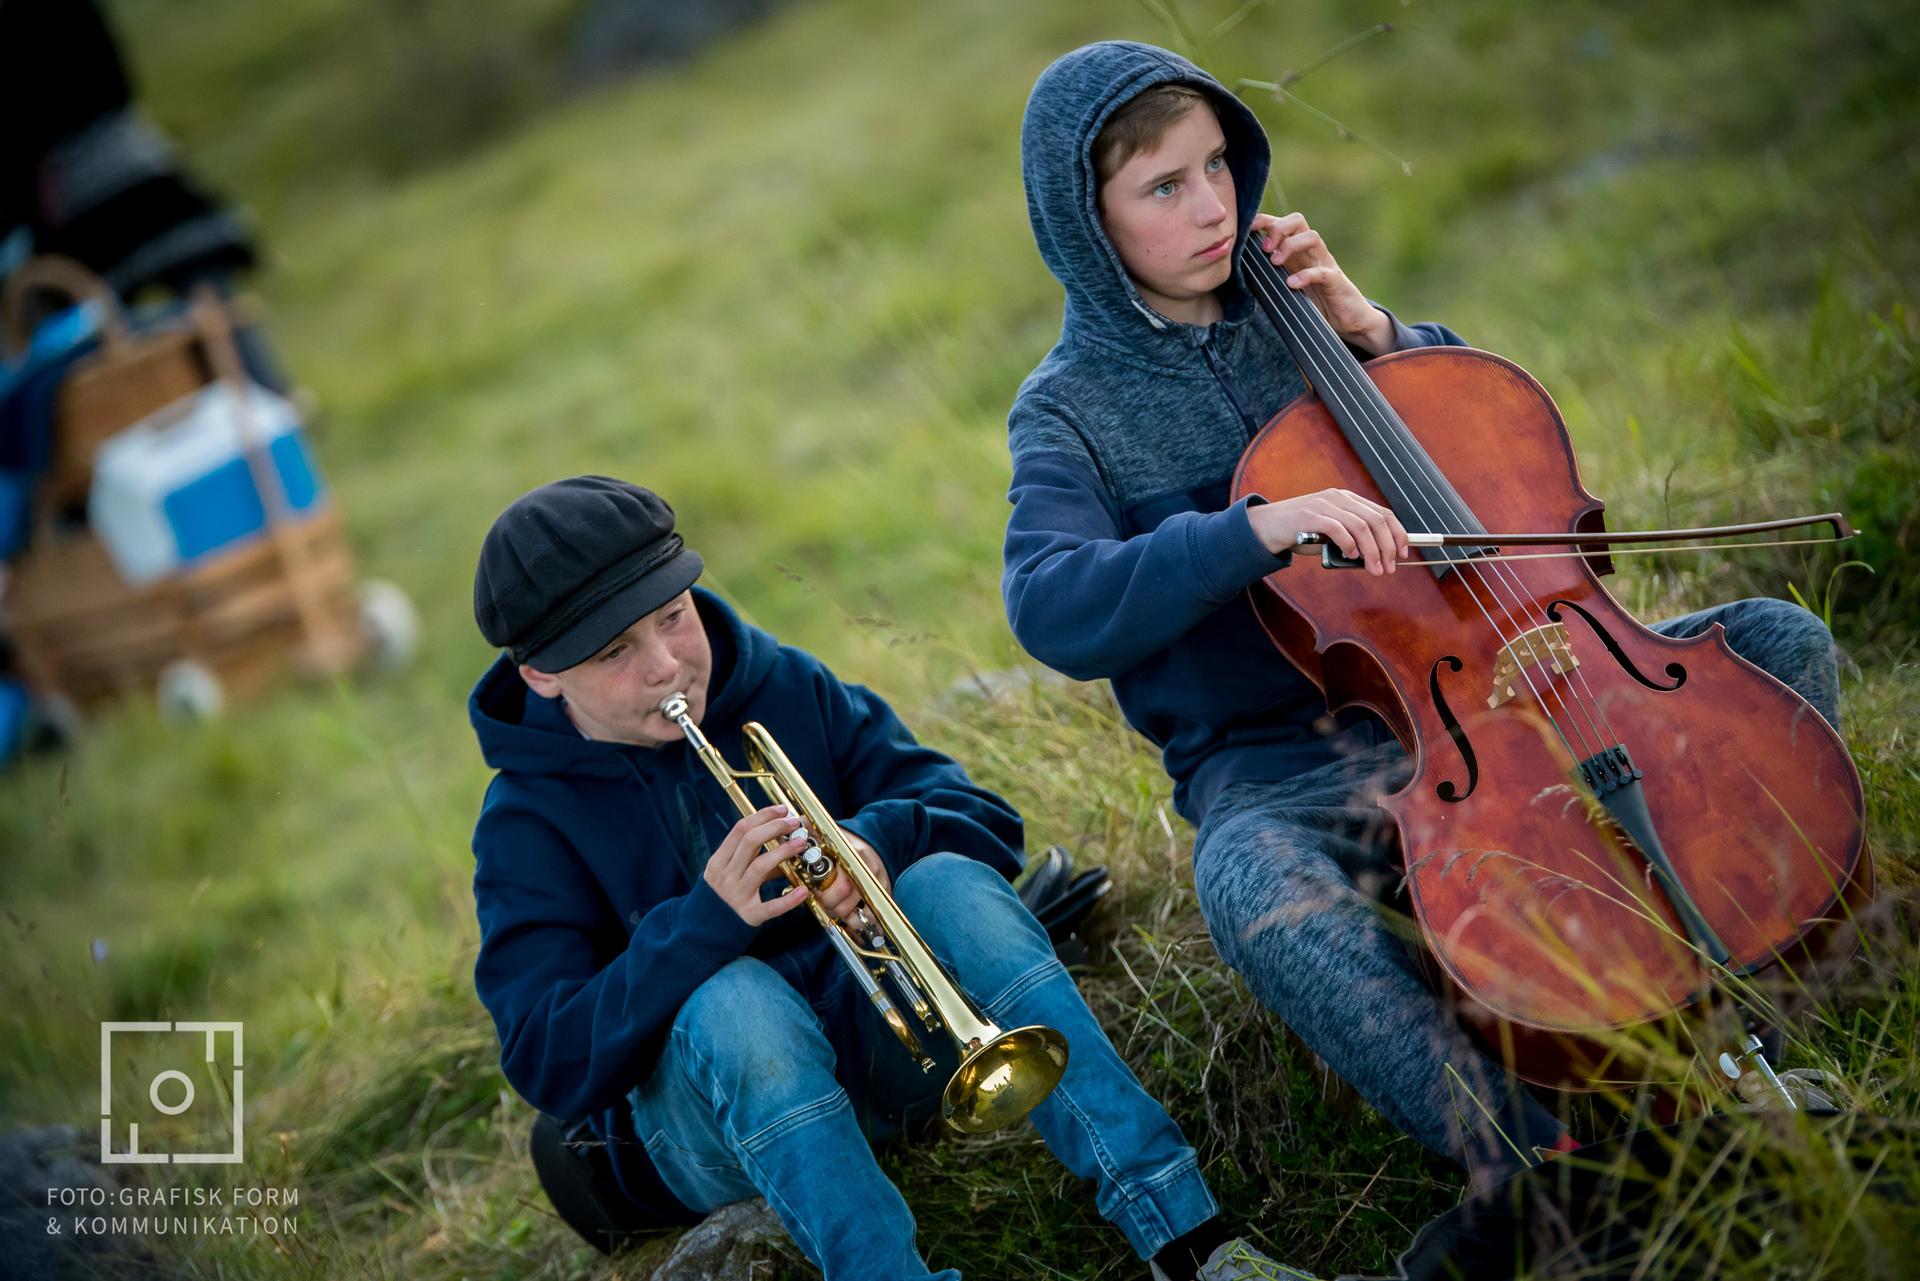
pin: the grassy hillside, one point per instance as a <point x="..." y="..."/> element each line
<point x="791" y="286"/>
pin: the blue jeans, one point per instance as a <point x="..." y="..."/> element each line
<point x="1289" y="875"/>
<point x="759" y="1093"/>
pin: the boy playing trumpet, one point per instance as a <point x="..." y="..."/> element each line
<point x="639" y="950"/>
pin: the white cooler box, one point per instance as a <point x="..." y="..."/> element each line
<point x="175" y="488"/>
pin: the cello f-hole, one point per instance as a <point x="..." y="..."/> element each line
<point x="1674" y="670"/>
<point x="1446" y="790"/>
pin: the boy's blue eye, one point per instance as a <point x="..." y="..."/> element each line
<point x="1164" y="189"/>
<point x="1216" y="164"/>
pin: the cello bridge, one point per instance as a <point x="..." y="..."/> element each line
<point x="1544" y="644"/>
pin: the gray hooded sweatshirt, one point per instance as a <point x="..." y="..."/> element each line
<point x="1123" y="558"/>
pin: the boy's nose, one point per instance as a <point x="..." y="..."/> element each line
<point x="659" y="667"/>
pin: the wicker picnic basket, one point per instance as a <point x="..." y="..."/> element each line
<point x="130" y="376"/>
<point x="229" y="625"/>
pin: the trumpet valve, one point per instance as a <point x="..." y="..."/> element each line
<point x="815" y="865"/>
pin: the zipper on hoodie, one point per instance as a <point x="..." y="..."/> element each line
<point x="1224" y="377"/>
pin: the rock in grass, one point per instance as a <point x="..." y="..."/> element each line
<point x="740" y="1242"/>
<point x="35" y="1162"/>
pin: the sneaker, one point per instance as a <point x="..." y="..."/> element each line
<point x="1239" y="1261"/>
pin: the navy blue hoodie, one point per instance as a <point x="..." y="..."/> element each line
<point x="595" y="923"/>
<point x="1123" y="558"/>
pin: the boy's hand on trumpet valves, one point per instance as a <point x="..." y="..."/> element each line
<point x="740" y="866"/>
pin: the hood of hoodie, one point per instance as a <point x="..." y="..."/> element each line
<point x="1071" y="102"/>
<point x="520" y="732"/>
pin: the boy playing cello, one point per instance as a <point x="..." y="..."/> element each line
<point x="1124" y="560"/>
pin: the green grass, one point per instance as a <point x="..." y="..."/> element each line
<point x="792" y="287"/>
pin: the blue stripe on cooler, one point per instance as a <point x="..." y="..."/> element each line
<point x="220" y="508"/>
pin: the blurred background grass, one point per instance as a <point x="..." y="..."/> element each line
<point x="790" y="284"/>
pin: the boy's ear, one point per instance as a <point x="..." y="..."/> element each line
<point x="545" y="684"/>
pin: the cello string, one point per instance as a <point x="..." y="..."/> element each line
<point x="1306" y="337"/>
<point x="1366" y="397"/>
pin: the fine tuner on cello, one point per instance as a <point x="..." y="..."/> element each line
<point x="1603" y="822"/>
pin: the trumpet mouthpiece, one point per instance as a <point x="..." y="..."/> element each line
<point x="674" y="706"/>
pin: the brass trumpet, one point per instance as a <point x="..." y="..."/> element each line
<point x="1002" y="1075"/>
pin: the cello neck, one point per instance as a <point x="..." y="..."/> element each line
<point x="1413" y="486"/>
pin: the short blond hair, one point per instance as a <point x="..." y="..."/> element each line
<point x="1140" y="124"/>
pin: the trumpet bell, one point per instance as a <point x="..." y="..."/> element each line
<point x="1004" y="1079"/>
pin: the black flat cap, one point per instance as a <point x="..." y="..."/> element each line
<point x="570" y="566"/>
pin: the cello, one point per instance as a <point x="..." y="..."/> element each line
<point x="1604" y="825"/>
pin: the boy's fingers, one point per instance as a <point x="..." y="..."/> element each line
<point x="776" y="830"/>
<point x="740" y="839"/>
<point x="840" y="898"/>
<point x="770" y="908"/>
<point x="724" y="863"/>
<point x="1368" y="522"/>
<point x="1383" y="539"/>
<point x="1358" y="531"/>
<point x="1304" y="241"/>
<point x="767" y="866"/>
<point x="764" y="815"/>
<point x="738" y="863"/>
<point x="1328" y="522"/>
<point x="1396" y="532"/>
<point x="1363" y="535"/>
